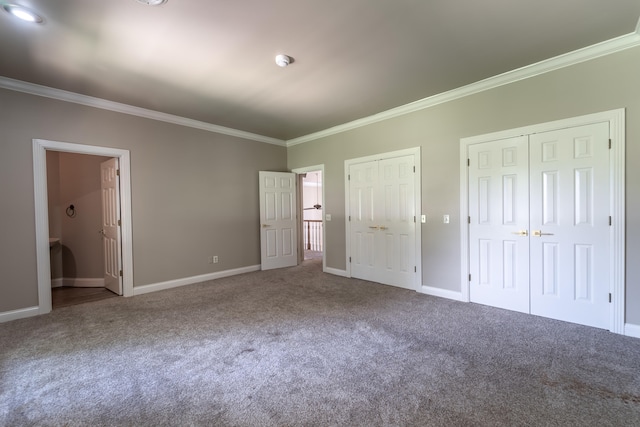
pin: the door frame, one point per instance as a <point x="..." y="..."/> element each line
<point x="415" y="152"/>
<point x="616" y="119"/>
<point x="299" y="171"/>
<point x="40" y="148"/>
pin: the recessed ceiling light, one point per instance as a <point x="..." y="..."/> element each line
<point x="152" y="2"/>
<point x="23" y="13"/>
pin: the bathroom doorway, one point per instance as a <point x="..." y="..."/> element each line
<point x="45" y="239"/>
<point x="77" y="245"/>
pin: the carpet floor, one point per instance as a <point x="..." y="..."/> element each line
<point x="298" y="347"/>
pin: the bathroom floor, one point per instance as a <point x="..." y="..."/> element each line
<point x="65" y="296"/>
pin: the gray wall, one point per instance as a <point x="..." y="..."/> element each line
<point x="602" y="84"/>
<point x="194" y="193"/>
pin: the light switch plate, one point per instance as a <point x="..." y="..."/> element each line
<point x="327" y="217"/>
<point x="423" y="219"/>
<point x="445" y="219"/>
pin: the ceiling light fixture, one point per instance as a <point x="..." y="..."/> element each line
<point x="152" y="2"/>
<point x="23" y="13"/>
<point x="283" y="60"/>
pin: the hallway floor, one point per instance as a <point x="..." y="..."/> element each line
<point x="66" y="295"/>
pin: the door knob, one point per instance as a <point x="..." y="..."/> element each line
<point x="539" y="233"/>
<point x="265" y="225"/>
<point x="374" y="227"/>
<point x="382" y="227"/>
<point x="521" y="232"/>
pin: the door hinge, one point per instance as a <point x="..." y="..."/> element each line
<point x="609" y="143"/>
<point x="349" y="217"/>
<point x="118" y="172"/>
<point x="609" y="297"/>
<point x="468" y="162"/>
<point x="414" y="169"/>
<point x="119" y="222"/>
<point x="609" y="219"/>
<point x="349" y="259"/>
<point x="349" y="177"/>
<point x="121" y="273"/>
<point x="469" y="219"/>
<point x="415" y="269"/>
<point x="469" y="277"/>
<point x="414" y="218"/>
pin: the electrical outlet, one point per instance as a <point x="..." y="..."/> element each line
<point x="215" y="259"/>
<point x="210" y="260"/>
<point x="445" y="219"/>
<point x="424" y="219"/>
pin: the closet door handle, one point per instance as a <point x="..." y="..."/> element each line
<point x="375" y="227"/>
<point x="521" y="232"/>
<point x="539" y="233"/>
<point x="382" y="227"/>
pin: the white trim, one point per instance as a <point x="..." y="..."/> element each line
<point x="441" y="293"/>
<point x="320" y="168"/>
<point x="40" y="147"/>
<point x="336" y="272"/>
<point x="616" y="119"/>
<point x="82" y="282"/>
<point x="170" y="284"/>
<point x="417" y="154"/>
<point x="632" y="330"/>
<point x="8" y="316"/>
<point x="90" y="101"/>
<point x="568" y="59"/>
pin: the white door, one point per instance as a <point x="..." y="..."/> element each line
<point x="110" y="184"/>
<point x="539" y="224"/>
<point x="278" y="241"/>
<point x="382" y="213"/>
<point x="570" y="224"/>
<point x="499" y="224"/>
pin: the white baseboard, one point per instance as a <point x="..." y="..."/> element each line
<point x="57" y="283"/>
<point x="336" y="272"/>
<point x="632" y="330"/>
<point x="19" y="314"/>
<point x="82" y="282"/>
<point x="442" y="293"/>
<point x="154" y="287"/>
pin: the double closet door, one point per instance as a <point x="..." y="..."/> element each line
<point x="382" y="227"/>
<point x="539" y="238"/>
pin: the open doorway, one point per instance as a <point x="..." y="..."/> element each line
<point x="43" y="236"/>
<point x="312" y="214"/>
<point x="76" y="206"/>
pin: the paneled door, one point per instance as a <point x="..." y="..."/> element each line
<point x="110" y="184"/>
<point x="499" y="223"/>
<point x="570" y="254"/>
<point x="539" y="238"/>
<point x="278" y="241"/>
<point x="382" y="215"/>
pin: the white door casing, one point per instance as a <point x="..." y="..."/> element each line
<point x="40" y="147"/>
<point x="278" y="226"/>
<point x="109" y="185"/>
<point x="570" y="224"/>
<point x="499" y="224"/>
<point x="382" y="210"/>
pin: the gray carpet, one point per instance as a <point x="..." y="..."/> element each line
<point x="299" y="347"/>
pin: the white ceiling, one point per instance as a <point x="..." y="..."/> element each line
<point x="213" y="60"/>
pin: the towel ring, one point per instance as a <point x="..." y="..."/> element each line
<point x="71" y="211"/>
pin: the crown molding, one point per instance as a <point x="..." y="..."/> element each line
<point x="90" y="101"/>
<point x="581" y="55"/>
